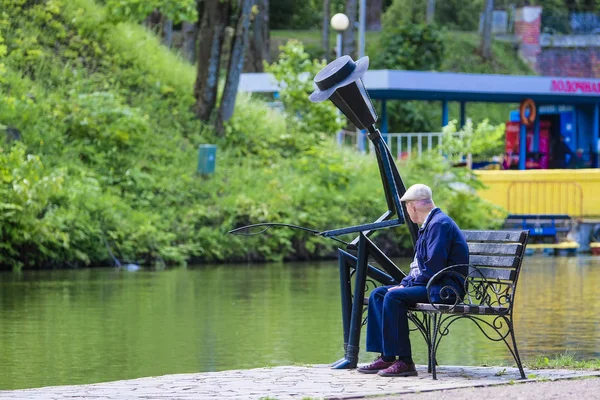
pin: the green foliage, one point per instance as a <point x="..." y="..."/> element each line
<point x="138" y="10"/>
<point x="412" y="116"/>
<point x="409" y="46"/>
<point x="453" y="188"/>
<point x="407" y="43"/>
<point x="109" y="151"/>
<point x="404" y="12"/>
<point x="294" y="71"/>
<point x="305" y="14"/>
<point x="2" y="54"/>
<point x="460" y="55"/>
<point x="482" y="141"/>
<point x="460" y="15"/>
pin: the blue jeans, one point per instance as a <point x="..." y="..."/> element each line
<point x="387" y="322"/>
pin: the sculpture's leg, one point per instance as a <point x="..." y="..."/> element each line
<point x="351" y="359"/>
<point x="345" y="262"/>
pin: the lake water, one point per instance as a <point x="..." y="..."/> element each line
<point x="94" y="325"/>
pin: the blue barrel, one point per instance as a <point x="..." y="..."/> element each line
<point x="207" y="155"/>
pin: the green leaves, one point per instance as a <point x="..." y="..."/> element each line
<point x="295" y="72"/>
<point x="411" y="47"/>
<point x="138" y="10"/>
<point x="109" y="152"/>
<point x="482" y="141"/>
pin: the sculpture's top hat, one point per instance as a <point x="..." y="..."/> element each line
<point x="338" y="73"/>
<point x="341" y="82"/>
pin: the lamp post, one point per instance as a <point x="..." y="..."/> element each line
<point x="339" y="23"/>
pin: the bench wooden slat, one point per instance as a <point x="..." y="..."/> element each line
<point x="494" y="261"/>
<point x="495" y="236"/>
<point x="509" y="249"/>
<point x="460" y="309"/>
<point x="495" y="273"/>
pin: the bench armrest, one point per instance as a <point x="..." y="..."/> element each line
<point x="478" y="290"/>
<point x="448" y="291"/>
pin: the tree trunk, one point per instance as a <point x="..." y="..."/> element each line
<point x="430" y="16"/>
<point x="486" y="34"/>
<point x="154" y="21"/>
<point x="374" y="13"/>
<point x="266" y="31"/>
<point x="571" y="5"/>
<point x="325" y="28"/>
<point x="259" y="49"/>
<point x="189" y="31"/>
<point x="167" y="32"/>
<point x="350" y="33"/>
<point x="236" y="64"/>
<point x="214" y="19"/>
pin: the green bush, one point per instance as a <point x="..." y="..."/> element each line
<point x="482" y="141"/>
<point x="294" y="71"/>
<point x="407" y="43"/>
<point x="109" y="151"/>
<point x="138" y="10"/>
<point x="410" y="47"/>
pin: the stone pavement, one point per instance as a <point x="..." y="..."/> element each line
<point x="290" y="382"/>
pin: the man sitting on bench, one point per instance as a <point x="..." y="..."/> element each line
<point x="440" y="244"/>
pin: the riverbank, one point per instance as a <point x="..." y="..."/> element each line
<point x="299" y="382"/>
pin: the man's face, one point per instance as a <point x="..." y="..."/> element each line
<point x="411" y="208"/>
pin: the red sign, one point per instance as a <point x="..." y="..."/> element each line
<point x="572" y="86"/>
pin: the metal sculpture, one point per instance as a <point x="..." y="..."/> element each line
<point x="341" y="82"/>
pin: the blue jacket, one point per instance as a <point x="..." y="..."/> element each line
<point x="440" y="244"/>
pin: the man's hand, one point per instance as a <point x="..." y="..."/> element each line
<point x="396" y="287"/>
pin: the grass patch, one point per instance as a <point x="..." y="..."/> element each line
<point x="565" y="361"/>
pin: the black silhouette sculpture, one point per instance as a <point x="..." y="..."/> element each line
<point x="341" y="82"/>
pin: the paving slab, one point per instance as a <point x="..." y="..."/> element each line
<point x="291" y="382"/>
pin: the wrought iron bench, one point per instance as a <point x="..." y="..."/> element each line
<point x="490" y="286"/>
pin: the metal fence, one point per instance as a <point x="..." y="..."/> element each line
<point x="402" y="145"/>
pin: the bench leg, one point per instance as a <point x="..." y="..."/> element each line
<point x="424" y="326"/>
<point x="514" y="350"/>
<point x="433" y="345"/>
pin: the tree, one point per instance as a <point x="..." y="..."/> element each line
<point x="486" y="34"/>
<point x="430" y="15"/>
<point x="236" y="64"/>
<point x="325" y="28"/>
<point x="259" y="50"/>
<point x="213" y="21"/>
<point x="350" y="33"/>
<point x="189" y="32"/>
<point x="374" y="13"/>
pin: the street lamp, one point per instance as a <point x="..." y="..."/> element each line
<point x="339" y="22"/>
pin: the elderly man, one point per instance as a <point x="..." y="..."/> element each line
<point x="439" y="245"/>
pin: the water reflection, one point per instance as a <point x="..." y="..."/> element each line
<point x="81" y="326"/>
